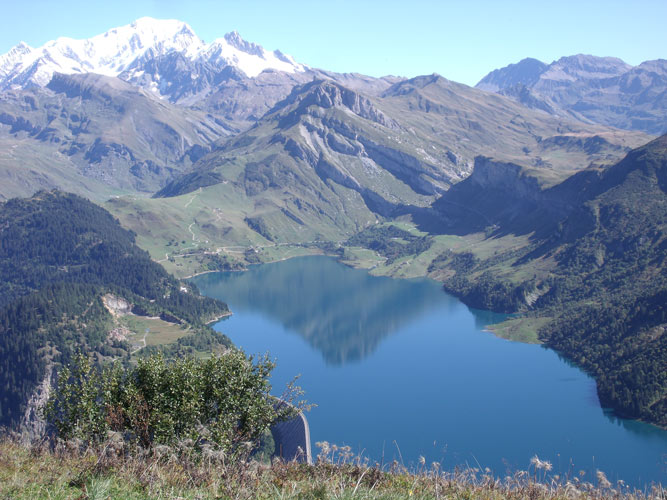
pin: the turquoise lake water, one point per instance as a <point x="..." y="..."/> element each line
<point x="399" y="369"/>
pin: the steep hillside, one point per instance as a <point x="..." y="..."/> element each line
<point x="97" y="131"/>
<point x="601" y="90"/>
<point x="72" y="279"/>
<point x="594" y="267"/>
<point x="324" y="162"/>
<point x="465" y="123"/>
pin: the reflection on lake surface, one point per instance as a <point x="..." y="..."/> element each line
<point x="342" y="313"/>
<point x="399" y="365"/>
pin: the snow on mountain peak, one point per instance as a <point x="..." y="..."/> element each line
<point x="115" y="51"/>
<point x="13" y="57"/>
<point x="249" y="57"/>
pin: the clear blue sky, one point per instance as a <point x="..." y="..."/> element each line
<point x="461" y="40"/>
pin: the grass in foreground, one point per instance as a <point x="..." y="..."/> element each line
<point x="67" y="470"/>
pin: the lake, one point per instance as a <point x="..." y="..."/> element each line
<point x="399" y="369"/>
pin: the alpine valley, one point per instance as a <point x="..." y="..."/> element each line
<point x="539" y="192"/>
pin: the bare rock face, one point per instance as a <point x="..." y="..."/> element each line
<point x="117" y="306"/>
<point x="33" y="423"/>
<point x="326" y="95"/>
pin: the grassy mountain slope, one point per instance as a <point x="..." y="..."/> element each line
<point x="465" y="122"/>
<point x="72" y="278"/>
<point x="95" y="134"/>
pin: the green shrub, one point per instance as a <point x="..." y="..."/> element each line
<point x="221" y="401"/>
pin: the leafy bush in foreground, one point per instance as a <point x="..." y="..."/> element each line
<point x="221" y="401"/>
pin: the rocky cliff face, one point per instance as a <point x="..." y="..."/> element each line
<point x="117" y="306"/>
<point x="33" y="422"/>
<point x="502" y="197"/>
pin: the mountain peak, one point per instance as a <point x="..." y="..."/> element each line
<point x="525" y="72"/>
<point x="234" y="39"/>
<point x="585" y="66"/>
<point x="426" y="80"/>
<point x="153" y="23"/>
<point x="162" y="29"/>
<point x="21" y="47"/>
<point x="326" y="94"/>
<point x="128" y="51"/>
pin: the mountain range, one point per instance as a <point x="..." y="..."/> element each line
<point x="217" y="155"/>
<point x="327" y="161"/>
<point x="137" y="52"/>
<point x="134" y="108"/>
<point x="90" y="132"/>
<point x="603" y="90"/>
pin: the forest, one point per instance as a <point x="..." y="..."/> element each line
<point x="59" y="254"/>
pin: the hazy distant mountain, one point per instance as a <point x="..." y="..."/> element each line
<point x="525" y="72"/>
<point x="91" y="132"/>
<point x="602" y="90"/>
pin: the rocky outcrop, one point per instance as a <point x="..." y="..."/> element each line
<point x="509" y="178"/>
<point x="328" y="94"/>
<point x="19" y="124"/>
<point x="499" y="195"/>
<point x="117" y="306"/>
<point x="421" y="177"/>
<point x="33" y="422"/>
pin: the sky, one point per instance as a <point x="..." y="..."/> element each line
<point x="461" y="40"/>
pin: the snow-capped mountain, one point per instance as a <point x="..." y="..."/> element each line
<point x="130" y="52"/>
